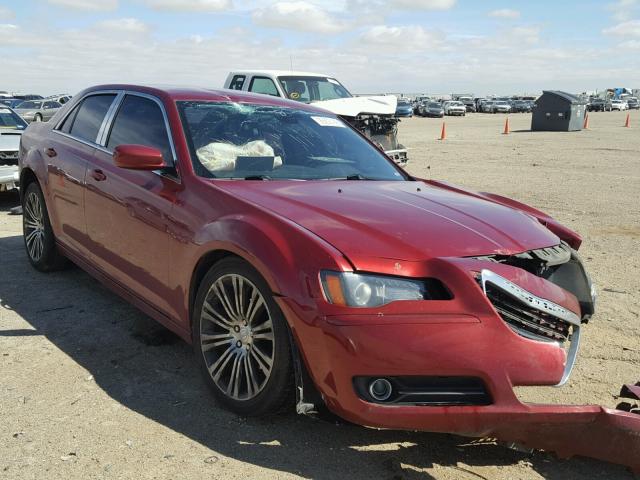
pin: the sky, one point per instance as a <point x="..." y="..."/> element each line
<point x="371" y="46"/>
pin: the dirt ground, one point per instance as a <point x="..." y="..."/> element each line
<point x="91" y="389"/>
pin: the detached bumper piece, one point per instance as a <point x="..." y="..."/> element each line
<point x="631" y="392"/>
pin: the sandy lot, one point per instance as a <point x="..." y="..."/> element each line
<point x="90" y="388"/>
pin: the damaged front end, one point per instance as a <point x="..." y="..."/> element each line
<point x="383" y="131"/>
<point x="520" y="327"/>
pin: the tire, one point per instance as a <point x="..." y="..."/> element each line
<point x="226" y="341"/>
<point x="39" y="240"/>
<point x="37" y="117"/>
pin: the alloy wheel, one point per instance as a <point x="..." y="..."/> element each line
<point x="236" y="337"/>
<point x="34" y="229"/>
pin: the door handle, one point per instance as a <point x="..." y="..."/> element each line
<point x="98" y="175"/>
<point x="51" y="152"/>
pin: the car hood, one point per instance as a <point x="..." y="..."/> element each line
<point x="408" y="221"/>
<point x="10" y="139"/>
<point x="354" y="106"/>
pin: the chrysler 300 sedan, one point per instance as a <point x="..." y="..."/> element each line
<point x="304" y="265"/>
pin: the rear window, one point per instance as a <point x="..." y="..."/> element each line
<point x="89" y="117"/>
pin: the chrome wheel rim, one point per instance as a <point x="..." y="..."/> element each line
<point x="33" y="218"/>
<point x="236" y="337"/>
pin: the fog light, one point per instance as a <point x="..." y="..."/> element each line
<point x="380" y="389"/>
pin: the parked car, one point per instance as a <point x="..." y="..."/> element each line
<point x="10" y="102"/>
<point x="60" y="98"/>
<point x="486" y="106"/>
<point x="29" y="96"/>
<point x="244" y="223"/>
<point x="453" y="107"/>
<point x="469" y="104"/>
<point x="37" y="110"/>
<point x="520" y="106"/>
<point x="11" y="128"/>
<point x="500" y="106"/>
<point x="632" y="103"/>
<point x="431" y="109"/>
<point x="599" y="105"/>
<point x="404" y="108"/>
<point x="618" y="105"/>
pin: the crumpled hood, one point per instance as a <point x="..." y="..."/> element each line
<point x="408" y="221"/>
<point x="354" y="106"/>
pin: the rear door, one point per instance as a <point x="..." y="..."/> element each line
<point x="67" y="151"/>
<point x="127" y="211"/>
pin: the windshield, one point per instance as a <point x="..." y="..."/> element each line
<point x="242" y="141"/>
<point x="29" y="104"/>
<point x="9" y="119"/>
<point x="434" y="105"/>
<point x="456" y="104"/>
<point x="312" y="89"/>
<point x="403" y="103"/>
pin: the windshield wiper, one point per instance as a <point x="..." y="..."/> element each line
<point x="258" y="177"/>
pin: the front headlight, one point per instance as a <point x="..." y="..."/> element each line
<point x="366" y="291"/>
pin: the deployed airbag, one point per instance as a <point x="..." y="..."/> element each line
<point x="222" y="156"/>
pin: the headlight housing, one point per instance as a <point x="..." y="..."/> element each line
<point x="367" y="290"/>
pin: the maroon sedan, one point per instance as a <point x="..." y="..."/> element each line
<point x="300" y="260"/>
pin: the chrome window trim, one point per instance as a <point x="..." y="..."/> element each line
<point x="56" y="127"/>
<point x="109" y="118"/>
<point x="106" y="121"/>
<point x="165" y="117"/>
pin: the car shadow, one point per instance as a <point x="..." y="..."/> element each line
<point x="150" y="371"/>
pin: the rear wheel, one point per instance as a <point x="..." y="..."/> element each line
<point x="38" y="235"/>
<point x="37" y="118"/>
<point x="242" y="341"/>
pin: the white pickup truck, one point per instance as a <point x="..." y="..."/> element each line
<point x="372" y="115"/>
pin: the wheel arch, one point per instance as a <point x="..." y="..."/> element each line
<point x="27" y="176"/>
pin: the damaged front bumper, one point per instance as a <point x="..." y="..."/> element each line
<point x="452" y="365"/>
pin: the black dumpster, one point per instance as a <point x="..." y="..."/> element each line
<point x="558" y="111"/>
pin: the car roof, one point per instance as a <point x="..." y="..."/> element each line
<point x="184" y="93"/>
<point x="280" y="73"/>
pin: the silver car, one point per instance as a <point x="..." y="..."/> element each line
<point x="37" y="110"/>
<point x="11" y="128"/>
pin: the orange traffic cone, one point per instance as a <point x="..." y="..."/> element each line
<point x="627" y="123"/>
<point x="586" y="122"/>
<point x="506" y="127"/>
<point x="443" y="133"/>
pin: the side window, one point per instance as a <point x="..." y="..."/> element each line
<point x="51" y="105"/>
<point x="140" y="122"/>
<point x="89" y="117"/>
<point x="237" y="82"/>
<point x="263" y="85"/>
<point x="65" y="126"/>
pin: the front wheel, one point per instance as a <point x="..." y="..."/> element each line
<point x="241" y="340"/>
<point x="37" y="118"/>
<point x="38" y="235"/>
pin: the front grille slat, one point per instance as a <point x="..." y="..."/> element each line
<point x="528" y="315"/>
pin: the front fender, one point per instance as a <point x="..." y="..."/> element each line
<point x="286" y="255"/>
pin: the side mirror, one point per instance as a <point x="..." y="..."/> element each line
<point x="138" y="157"/>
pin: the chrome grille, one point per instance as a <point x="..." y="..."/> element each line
<point x="533" y="317"/>
<point x="527" y="321"/>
